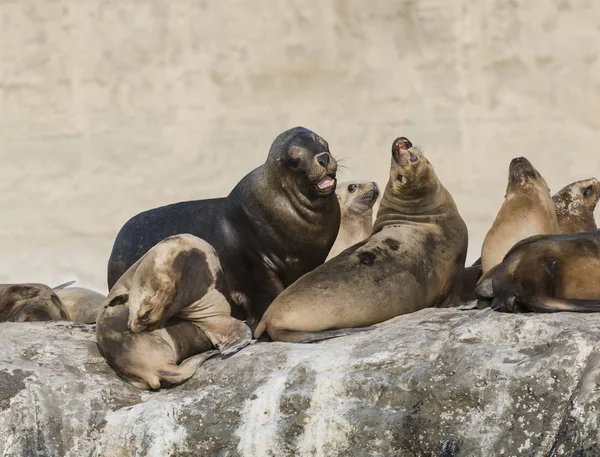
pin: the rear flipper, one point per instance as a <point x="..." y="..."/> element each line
<point x="292" y="336"/>
<point x="544" y="304"/>
<point x="178" y="374"/>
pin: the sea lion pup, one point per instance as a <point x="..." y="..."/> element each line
<point x="165" y="311"/>
<point x="83" y="305"/>
<point x="575" y="205"/>
<point x="527" y="210"/>
<point x="356" y="201"/>
<point x="279" y="222"/>
<point x="547" y="273"/>
<point x="30" y="302"/>
<point x="413" y="260"/>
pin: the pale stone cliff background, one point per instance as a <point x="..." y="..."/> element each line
<point x="108" y="108"/>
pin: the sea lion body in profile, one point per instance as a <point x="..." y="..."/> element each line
<point x="168" y="309"/>
<point x="279" y="222"/>
<point x="356" y="201"/>
<point x="547" y="273"/>
<point x="30" y="302"/>
<point x="83" y="305"/>
<point x="414" y="259"/>
<point x="575" y="205"/>
<point x="527" y="210"/>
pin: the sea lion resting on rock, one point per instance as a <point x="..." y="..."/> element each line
<point x="356" y="201"/>
<point x="547" y="273"/>
<point x="527" y="210"/>
<point x="165" y="311"/>
<point x="30" y="302"/>
<point x="414" y="259"/>
<point x="278" y="223"/>
<point x="83" y="305"/>
<point x="575" y="205"/>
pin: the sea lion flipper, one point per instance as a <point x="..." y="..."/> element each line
<point x="63" y="286"/>
<point x="291" y="336"/>
<point x="238" y="338"/>
<point x="544" y="304"/>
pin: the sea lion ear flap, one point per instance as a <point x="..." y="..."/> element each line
<point x="401" y="143"/>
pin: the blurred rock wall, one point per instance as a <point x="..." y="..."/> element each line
<point x="108" y="108"/>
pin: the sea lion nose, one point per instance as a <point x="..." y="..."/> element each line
<point x="375" y="190"/>
<point x="324" y="159"/>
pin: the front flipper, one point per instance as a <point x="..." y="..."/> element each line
<point x="292" y="336"/>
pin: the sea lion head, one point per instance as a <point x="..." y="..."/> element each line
<point x="578" y="196"/>
<point x="521" y="173"/>
<point x="304" y="162"/>
<point x="357" y="197"/>
<point x="411" y="174"/>
<point x="575" y="205"/>
<point x="31" y="303"/>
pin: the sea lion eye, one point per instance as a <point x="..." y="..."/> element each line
<point x="352" y="188"/>
<point x="587" y="191"/>
<point x="413" y="157"/>
<point x="400" y="177"/>
<point x="145" y="316"/>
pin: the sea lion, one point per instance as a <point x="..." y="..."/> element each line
<point x="414" y="259"/>
<point x="279" y="222"/>
<point x="168" y="307"/>
<point x="527" y="210"/>
<point x="30" y="302"/>
<point x="547" y="273"/>
<point x="83" y="305"/>
<point x="356" y="201"/>
<point x="575" y="205"/>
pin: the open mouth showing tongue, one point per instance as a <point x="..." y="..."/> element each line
<point x="326" y="183"/>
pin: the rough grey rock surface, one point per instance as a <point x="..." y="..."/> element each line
<point x="435" y="383"/>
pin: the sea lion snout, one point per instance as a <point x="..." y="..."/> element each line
<point x="521" y="168"/>
<point x="323" y="159"/>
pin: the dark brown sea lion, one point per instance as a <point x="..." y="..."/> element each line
<point x="278" y="223"/>
<point x="30" y="302"/>
<point x="167" y="309"/>
<point x="575" y="205"/>
<point x="547" y="273"/>
<point x="414" y="259"/>
<point x="527" y="210"/>
<point x="356" y="199"/>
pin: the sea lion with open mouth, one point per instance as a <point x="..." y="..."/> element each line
<point x="413" y="260"/>
<point x="277" y="224"/>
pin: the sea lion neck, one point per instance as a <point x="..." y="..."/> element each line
<point x="394" y="210"/>
<point x="271" y="200"/>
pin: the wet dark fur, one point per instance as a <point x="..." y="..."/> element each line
<point x="253" y="229"/>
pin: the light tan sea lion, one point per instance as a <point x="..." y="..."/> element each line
<point x="575" y="205"/>
<point x="356" y="200"/>
<point x="83" y="305"/>
<point x="165" y="311"/>
<point x="30" y="302"/>
<point x="547" y="273"/>
<point x="413" y="260"/>
<point x="527" y="210"/>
